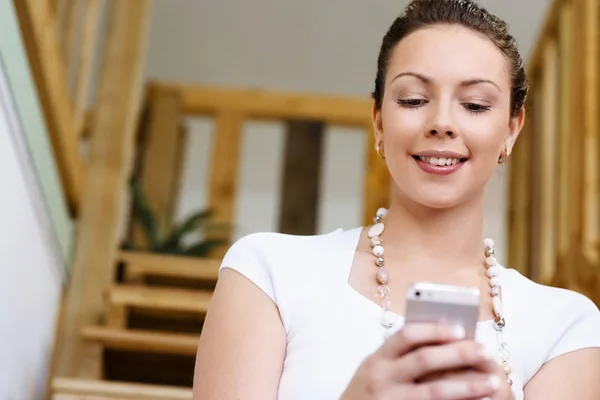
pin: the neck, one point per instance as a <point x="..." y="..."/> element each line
<point x="445" y="240"/>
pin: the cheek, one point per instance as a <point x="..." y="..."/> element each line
<point x="402" y="126"/>
<point x="484" y="138"/>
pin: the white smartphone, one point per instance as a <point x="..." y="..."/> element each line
<point x="431" y="302"/>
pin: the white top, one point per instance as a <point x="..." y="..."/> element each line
<point x="331" y="328"/>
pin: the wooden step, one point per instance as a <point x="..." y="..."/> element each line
<point x="139" y="265"/>
<point x="158" y="298"/>
<point x="81" y="389"/>
<point x="142" y="341"/>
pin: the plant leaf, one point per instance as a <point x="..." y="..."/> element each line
<point x="192" y="223"/>
<point x="143" y="214"/>
<point x="203" y="248"/>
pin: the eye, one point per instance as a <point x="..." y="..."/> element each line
<point x="476" y="108"/>
<point x="412" y="103"/>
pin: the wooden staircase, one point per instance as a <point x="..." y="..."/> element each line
<point x="150" y="320"/>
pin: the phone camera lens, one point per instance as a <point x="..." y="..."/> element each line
<point x="418" y="294"/>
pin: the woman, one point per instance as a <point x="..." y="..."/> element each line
<point x="305" y="317"/>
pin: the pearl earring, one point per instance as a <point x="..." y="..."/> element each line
<point x="378" y="150"/>
<point x="502" y="159"/>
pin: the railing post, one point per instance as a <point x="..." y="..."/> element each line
<point x="225" y="165"/>
<point x="161" y="158"/>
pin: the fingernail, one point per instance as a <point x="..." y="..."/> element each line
<point x="458" y="332"/>
<point x="494" y="382"/>
<point x="486" y="398"/>
<point x="456" y="389"/>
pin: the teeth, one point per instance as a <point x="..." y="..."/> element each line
<point x="441" y="162"/>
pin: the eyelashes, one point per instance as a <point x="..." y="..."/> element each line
<point x="476" y="108"/>
<point x="414" y="104"/>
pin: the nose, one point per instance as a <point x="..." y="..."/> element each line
<point x="441" y="123"/>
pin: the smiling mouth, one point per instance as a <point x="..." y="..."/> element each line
<point x="440" y="161"/>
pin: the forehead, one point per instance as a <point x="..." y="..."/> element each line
<point x="449" y="53"/>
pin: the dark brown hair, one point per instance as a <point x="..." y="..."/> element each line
<point x="422" y="13"/>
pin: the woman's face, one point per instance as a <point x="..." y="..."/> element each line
<point x="445" y="115"/>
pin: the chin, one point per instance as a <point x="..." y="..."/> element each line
<point x="437" y="203"/>
<point x="436" y="198"/>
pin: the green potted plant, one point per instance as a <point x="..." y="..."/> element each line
<point x="172" y="241"/>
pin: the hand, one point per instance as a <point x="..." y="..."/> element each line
<point x="400" y="367"/>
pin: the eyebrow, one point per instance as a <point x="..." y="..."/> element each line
<point x="426" y="80"/>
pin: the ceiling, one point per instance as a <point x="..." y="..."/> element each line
<point x="309" y="45"/>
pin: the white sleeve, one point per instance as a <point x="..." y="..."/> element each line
<point x="580" y="327"/>
<point x="245" y="256"/>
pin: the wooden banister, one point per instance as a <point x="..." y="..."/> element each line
<point x="50" y="72"/>
<point x="263" y="104"/>
<point x="91" y="23"/>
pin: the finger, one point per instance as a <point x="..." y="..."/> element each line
<point x="429" y="360"/>
<point x="415" y="335"/>
<point x="492" y="366"/>
<point x="476" y="386"/>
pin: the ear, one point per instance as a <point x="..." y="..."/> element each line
<point x="377" y="123"/>
<point x="514" y="128"/>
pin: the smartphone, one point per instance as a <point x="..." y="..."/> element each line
<point x="431" y="302"/>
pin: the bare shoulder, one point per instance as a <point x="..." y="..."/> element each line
<point x="242" y="345"/>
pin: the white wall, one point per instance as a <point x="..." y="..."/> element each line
<point x="307" y="46"/>
<point x="30" y="266"/>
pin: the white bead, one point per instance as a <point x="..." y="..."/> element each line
<point x="388" y="320"/>
<point x="488" y="243"/>
<point x="382" y="212"/>
<point x="504" y="354"/>
<point x="378" y="251"/>
<point x="494" y="271"/>
<point x="491" y="261"/>
<point x="497" y="303"/>
<point x="495" y="291"/>
<point x="376" y="230"/>
<point x="382" y="276"/>
<point x="495" y="281"/>
<point x="375" y="241"/>
<point x="387" y="304"/>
